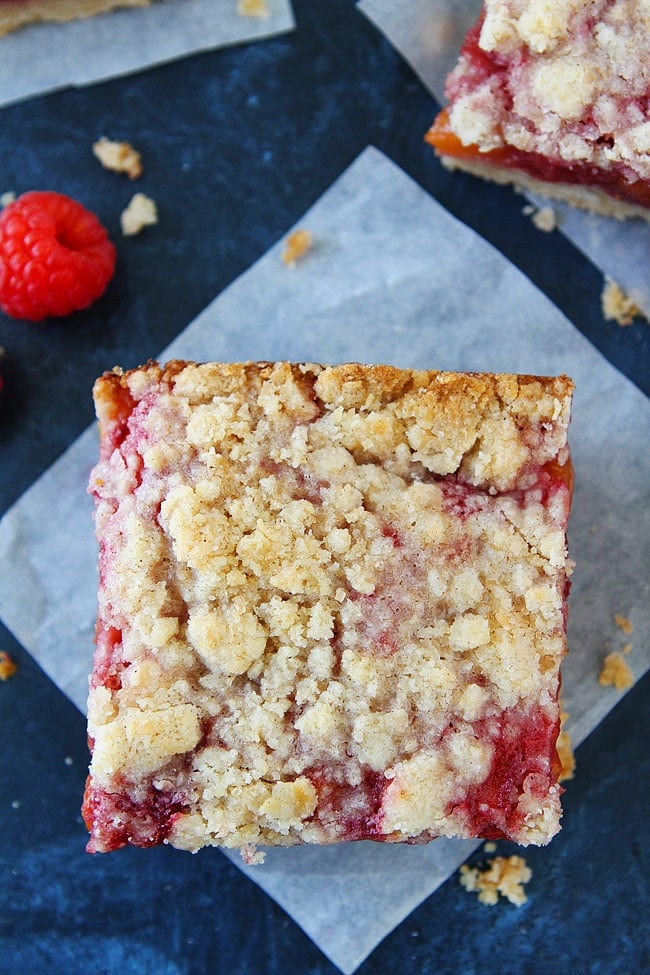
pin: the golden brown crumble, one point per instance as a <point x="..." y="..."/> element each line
<point x="565" y="750"/>
<point x="20" y="13"/>
<point x="120" y="157"/>
<point x="253" y="8"/>
<point x="296" y="246"/>
<point x="140" y="213"/>
<point x="624" y="624"/>
<point x="502" y="877"/>
<point x="616" y="305"/>
<point x="8" y="667"/>
<point x="615" y="672"/>
<point x="262" y="526"/>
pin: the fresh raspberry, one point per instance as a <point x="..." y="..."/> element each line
<point x="55" y="256"/>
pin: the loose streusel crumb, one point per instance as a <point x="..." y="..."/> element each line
<point x="253" y="8"/>
<point x="616" y="305"/>
<point x="7" y="198"/>
<point x="624" y="624"/>
<point x="322" y="590"/>
<point x="616" y="672"/>
<point x="296" y="246"/>
<point x="503" y="876"/>
<point x="8" y="667"/>
<point x="544" y="218"/>
<point x="489" y="847"/>
<point x="627" y="648"/>
<point x="140" y="213"/>
<point x="565" y="750"/>
<point x="251" y="856"/>
<point x="120" y="157"/>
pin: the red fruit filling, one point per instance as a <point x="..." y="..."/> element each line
<point x="116" y="819"/>
<point x="524" y="760"/>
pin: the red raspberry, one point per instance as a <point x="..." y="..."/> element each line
<point x="55" y="256"/>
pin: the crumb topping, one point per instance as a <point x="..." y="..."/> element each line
<point x="8" y="666"/>
<point x="616" y="305"/>
<point x="120" y="157"/>
<point x="503" y="877"/>
<point x="296" y="246"/>
<point x="140" y="213"/>
<point x="567" y="80"/>
<point x="323" y="589"/>
<point x="615" y="672"/>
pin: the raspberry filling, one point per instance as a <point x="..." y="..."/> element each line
<point x="524" y="762"/>
<point x="115" y="820"/>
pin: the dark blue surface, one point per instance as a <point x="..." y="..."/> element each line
<point x="236" y="145"/>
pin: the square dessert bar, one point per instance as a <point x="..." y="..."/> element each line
<point x="332" y="605"/>
<point x="552" y="95"/>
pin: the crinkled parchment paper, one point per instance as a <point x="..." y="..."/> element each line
<point x="44" y="57"/>
<point x="391" y="278"/>
<point x="429" y="34"/>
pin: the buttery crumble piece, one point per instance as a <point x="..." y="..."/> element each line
<point x="253" y="8"/>
<point x="140" y="213"/>
<point x="552" y="96"/>
<point x="332" y="605"/>
<point x="565" y="750"/>
<point x="503" y="876"/>
<point x="296" y="246"/>
<point x="624" y="624"/>
<point x="120" y="157"/>
<point x="616" y="672"/>
<point x="544" y="218"/>
<point x="20" y="13"/>
<point x="616" y="305"/>
<point x="8" y="667"/>
<point x="7" y="198"/>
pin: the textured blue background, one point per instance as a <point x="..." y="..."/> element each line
<point x="236" y="145"/>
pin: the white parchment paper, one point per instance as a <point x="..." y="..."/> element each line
<point x="43" y="57"/>
<point x="392" y="278"/>
<point x="429" y="35"/>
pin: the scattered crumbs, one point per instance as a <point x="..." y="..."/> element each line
<point x="15" y="804"/>
<point x="69" y="760"/>
<point x="544" y="218"/>
<point x="8" y="667"/>
<point x="616" y="305"/>
<point x="140" y="213"/>
<point x="615" y="672"/>
<point x="624" y="623"/>
<point x="565" y="750"/>
<point x="296" y="246"/>
<point x="627" y="648"/>
<point x="251" y="856"/>
<point x="7" y="198"/>
<point x="120" y="157"/>
<point x="253" y="8"/>
<point x="504" y="876"/>
<point x="490" y="847"/>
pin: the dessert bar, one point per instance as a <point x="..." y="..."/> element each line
<point x="553" y="96"/>
<point x="19" y="13"/>
<point x="332" y="605"/>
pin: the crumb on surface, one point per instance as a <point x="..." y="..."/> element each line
<point x="120" y="157"/>
<point x="490" y="847"/>
<point x="251" y="856"/>
<point x="624" y="624"/>
<point x="253" y="8"/>
<point x="503" y="876"/>
<point x="140" y="213"/>
<point x="615" y="672"/>
<point x="296" y="246"/>
<point x="7" y="198"/>
<point x="627" y="648"/>
<point x="544" y="218"/>
<point x="616" y="305"/>
<point x="565" y="750"/>
<point x="8" y="667"/>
